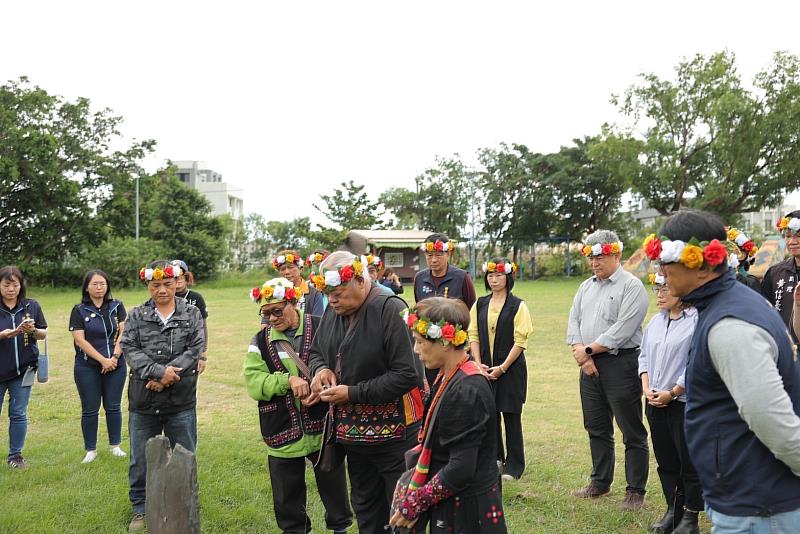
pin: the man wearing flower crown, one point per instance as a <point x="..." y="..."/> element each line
<point x="363" y="362"/>
<point x="290" y="416"/>
<point x="289" y="263"/>
<point x="742" y="384"/>
<point x="781" y="279"/>
<point x="605" y="330"/>
<point x="441" y="279"/>
<point x="374" y="268"/>
<point x="163" y="341"/>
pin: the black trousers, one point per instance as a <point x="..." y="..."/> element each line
<point x="374" y="470"/>
<point x="615" y="394"/>
<point x="288" y="479"/>
<point x="679" y="480"/>
<point x="513" y="454"/>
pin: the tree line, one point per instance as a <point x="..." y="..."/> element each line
<point x="700" y="139"/>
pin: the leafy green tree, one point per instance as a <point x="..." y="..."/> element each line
<point x="122" y="256"/>
<point x="52" y="155"/>
<point x="588" y="180"/>
<point x="709" y="142"/>
<point x="518" y="203"/>
<point x="349" y="207"/>
<point x="442" y="197"/>
<point x="403" y="205"/>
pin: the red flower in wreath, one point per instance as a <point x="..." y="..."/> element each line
<point x="715" y="253"/>
<point x="141" y="274"/>
<point x="749" y="246"/>
<point x="256" y="293"/>
<point x="412" y="318"/>
<point x="606" y="248"/>
<point x="346" y="273"/>
<point x="275" y="264"/>
<point x="448" y="332"/>
<point x="653" y="249"/>
<point x="289" y="294"/>
<point x="169" y="271"/>
<point x="438" y="246"/>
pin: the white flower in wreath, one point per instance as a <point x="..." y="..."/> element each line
<point x="332" y="278"/>
<point x="280" y="259"/>
<point x="434" y="332"/>
<point x="741" y="239"/>
<point x="671" y="251"/>
<point x="794" y="224"/>
<point x="279" y="292"/>
<point x="659" y="279"/>
<point x="148" y="274"/>
<point x="733" y="261"/>
<point x="597" y="249"/>
<point x="485" y="267"/>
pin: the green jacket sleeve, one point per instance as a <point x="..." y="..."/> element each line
<point x="261" y="384"/>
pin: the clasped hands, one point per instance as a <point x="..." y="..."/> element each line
<point x="584" y="361"/>
<point x="170" y="377"/>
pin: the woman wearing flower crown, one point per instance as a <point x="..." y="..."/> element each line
<point x="662" y="369"/>
<point x="453" y="487"/>
<point x="291" y="417"/>
<point x="500" y="325"/>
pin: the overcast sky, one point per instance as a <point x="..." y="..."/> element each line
<point x="288" y="99"/>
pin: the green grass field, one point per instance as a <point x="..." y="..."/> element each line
<point x="59" y="494"/>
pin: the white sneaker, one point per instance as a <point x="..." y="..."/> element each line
<point x="90" y="456"/>
<point x="116" y="451"/>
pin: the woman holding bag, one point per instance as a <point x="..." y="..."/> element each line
<point x="96" y="325"/>
<point x="454" y="487"/>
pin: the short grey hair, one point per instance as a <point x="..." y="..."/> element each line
<point x="341" y="258"/>
<point x="602" y="236"/>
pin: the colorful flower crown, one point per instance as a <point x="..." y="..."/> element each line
<point x="500" y="267"/>
<point x="275" y="290"/>
<point x="599" y="249"/>
<point x="786" y="223"/>
<point x="742" y="241"/>
<point x="374" y="260"/>
<point x="657" y="279"/>
<point x="168" y="271"/>
<point x="441" y="330"/>
<point x="330" y="280"/>
<point x="438" y="246"/>
<point x="281" y="260"/>
<point x="315" y="259"/>
<point x="692" y="254"/>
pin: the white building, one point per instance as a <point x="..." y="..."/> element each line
<point x="225" y="198"/>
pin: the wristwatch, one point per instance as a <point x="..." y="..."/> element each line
<point x="588" y="349"/>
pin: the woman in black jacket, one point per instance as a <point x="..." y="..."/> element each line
<point x="500" y="325"/>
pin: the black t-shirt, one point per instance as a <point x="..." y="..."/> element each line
<point x="195" y="299"/>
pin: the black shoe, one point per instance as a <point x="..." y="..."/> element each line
<point x="666" y="524"/>
<point x="688" y="524"/>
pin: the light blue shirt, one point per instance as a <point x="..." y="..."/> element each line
<point x="610" y="312"/>
<point x="665" y="350"/>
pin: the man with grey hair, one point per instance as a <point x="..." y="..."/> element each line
<point x="363" y="363"/>
<point x="604" y="331"/>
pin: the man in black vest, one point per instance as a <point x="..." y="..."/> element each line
<point x="441" y="279"/>
<point x="363" y="362"/>
<point x="742" y="385"/>
<point x="781" y="279"/>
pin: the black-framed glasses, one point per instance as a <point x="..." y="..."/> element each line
<point x="277" y="312"/>
<point x="660" y="289"/>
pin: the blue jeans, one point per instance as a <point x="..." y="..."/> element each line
<point x="785" y="523"/>
<point x="94" y="387"/>
<point x="18" y="398"/>
<point x="179" y="427"/>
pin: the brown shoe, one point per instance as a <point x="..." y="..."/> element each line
<point x="633" y="502"/>
<point x="590" y="492"/>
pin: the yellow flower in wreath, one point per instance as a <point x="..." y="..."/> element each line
<point x="158" y="274"/>
<point x="422" y="327"/>
<point x="692" y="257"/>
<point x="460" y="338"/>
